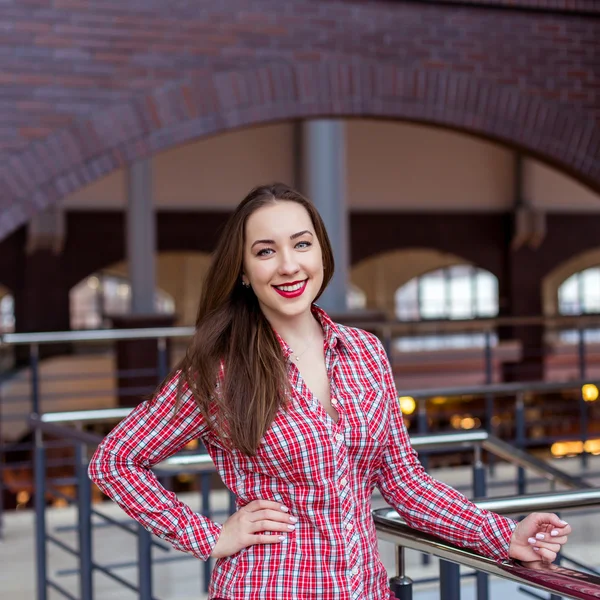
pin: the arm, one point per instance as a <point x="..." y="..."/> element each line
<point x="121" y="467"/>
<point x="427" y="504"/>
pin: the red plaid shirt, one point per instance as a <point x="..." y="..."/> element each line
<point x="323" y="471"/>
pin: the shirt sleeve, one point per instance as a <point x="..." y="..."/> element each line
<point x="121" y="467"/>
<point x="429" y="505"/>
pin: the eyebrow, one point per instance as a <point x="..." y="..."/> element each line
<point x="292" y="237"/>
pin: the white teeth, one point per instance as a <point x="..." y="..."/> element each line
<point x="290" y="288"/>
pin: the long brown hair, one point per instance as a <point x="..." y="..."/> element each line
<point x="231" y="331"/>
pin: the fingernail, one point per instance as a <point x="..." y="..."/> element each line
<point x="291" y="527"/>
<point x="281" y="538"/>
<point x="540" y="536"/>
<point x="554" y="532"/>
<point x="284" y="508"/>
<point x="293" y="519"/>
<point x="531" y="540"/>
<point x="536" y="548"/>
<point x="563" y="522"/>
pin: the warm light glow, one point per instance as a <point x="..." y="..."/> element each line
<point x="589" y="392"/>
<point x="438" y="400"/>
<point x="560" y="449"/>
<point x="23" y="497"/>
<point x="592" y="446"/>
<point x="468" y="422"/>
<point x="93" y="282"/>
<point x="407" y="404"/>
<point x="193" y="445"/>
<point x="455" y="421"/>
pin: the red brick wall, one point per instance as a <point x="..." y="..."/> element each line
<point x="86" y="87"/>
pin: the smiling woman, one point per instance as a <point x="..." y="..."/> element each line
<point x="301" y="418"/>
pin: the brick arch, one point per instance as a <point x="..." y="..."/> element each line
<point x="92" y="147"/>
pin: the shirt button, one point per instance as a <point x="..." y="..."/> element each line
<point x="339" y="437"/>
<point x="343" y="481"/>
<point x="355" y="571"/>
<point x="349" y="526"/>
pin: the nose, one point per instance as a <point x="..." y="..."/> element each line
<point x="289" y="263"/>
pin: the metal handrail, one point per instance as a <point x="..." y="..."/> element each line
<point x="100" y="335"/>
<point x="517" y="505"/>
<point x="420" y="442"/>
<point x="498" y="388"/>
<point x="86" y="416"/>
<point x="523" y="459"/>
<point x="551" y="578"/>
<point x="389" y="326"/>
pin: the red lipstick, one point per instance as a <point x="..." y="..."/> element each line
<point x="293" y="294"/>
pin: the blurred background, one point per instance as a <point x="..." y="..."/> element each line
<point x="453" y="149"/>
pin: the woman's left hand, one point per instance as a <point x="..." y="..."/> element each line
<point x="539" y="536"/>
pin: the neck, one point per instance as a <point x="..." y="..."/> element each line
<point x="296" y="330"/>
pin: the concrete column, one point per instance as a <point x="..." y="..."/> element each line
<point x="141" y="237"/>
<point x="322" y="178"/>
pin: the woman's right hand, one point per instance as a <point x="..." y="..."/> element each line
<point x="240" y="529"/>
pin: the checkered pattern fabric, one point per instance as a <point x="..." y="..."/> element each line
<point x="323" y="471"/>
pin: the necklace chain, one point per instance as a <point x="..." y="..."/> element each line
<point x="297" y="356"/>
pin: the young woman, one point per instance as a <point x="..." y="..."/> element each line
<point x="301" y="418"/>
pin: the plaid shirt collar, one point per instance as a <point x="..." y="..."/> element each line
<point x="335" y="336"/>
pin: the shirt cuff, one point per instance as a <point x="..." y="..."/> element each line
<point x="496" y="533"/>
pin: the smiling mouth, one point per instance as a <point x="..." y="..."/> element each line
<point x="291" y="290"/>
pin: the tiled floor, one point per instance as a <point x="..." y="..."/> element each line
<point x="182" y="579"/>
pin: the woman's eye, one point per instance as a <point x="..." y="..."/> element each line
<point x="303" y="245"/>
<point x="264" y="252"/>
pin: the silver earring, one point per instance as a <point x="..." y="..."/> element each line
<point x="245" y="284"/>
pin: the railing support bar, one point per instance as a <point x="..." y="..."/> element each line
<point x="144" y="564"/>
<point x="401" y="585"/>
<point x="84" y="516"/>
<point x="480" y="491"/>
<point x="40" y="522"/>
<point x="520" y="431"/>
<point x="449" y="580"/>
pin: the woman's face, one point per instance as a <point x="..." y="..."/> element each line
<point x="282" y="259"/>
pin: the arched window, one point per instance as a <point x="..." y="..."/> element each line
<point x="7" y="314"/>
<point x="580" y="293"/>
<point x="356" y="298"/>
<point x="457" y="292"/>
<point x="99" y="296"/>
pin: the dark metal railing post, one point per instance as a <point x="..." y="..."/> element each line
<point x="205" y="488"/>
<point x="449" y="580"/>
<point x="40" y="518"/>
<point x="401" y="585"/>
<point x="583" y="409"/>
<point x="489" y="398"/>
<point x="34" y="362"/>
<point x="84" y="519"/>
<point x="162" y="358"/>
<point x="422" y="428"/>
<point x="520" y="437"/>
<point x="232" y="502"/>
<point x="144" y="563"/>
<point x="480" y="491"/>
<point x="387" y="342"/>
